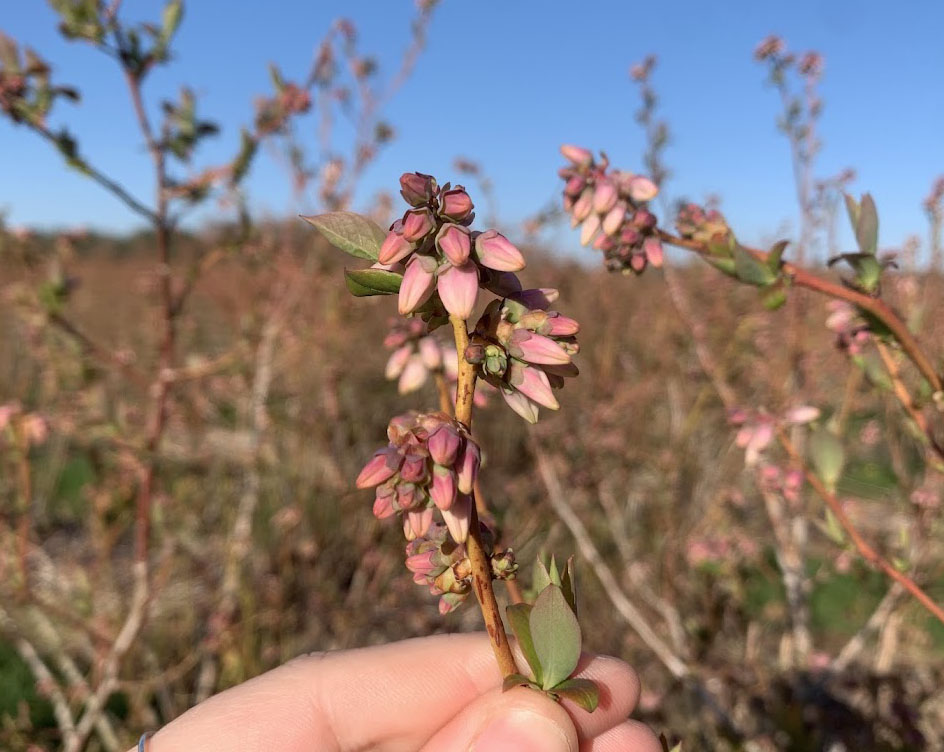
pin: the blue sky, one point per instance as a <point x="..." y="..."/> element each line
<point x="505" y="82"/>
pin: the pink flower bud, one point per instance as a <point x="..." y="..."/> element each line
<point x="561" y="326"/>
<point x="417" y="224"/>
<point x="604" y="197"/>
<point x="454" y="243"/>
<point x="589" y="229"/>
<point x="642" y="189"/>
<point x="533" y="383"/>
<point x="413" y="469"/>
<point x="467" y="467"/>
<point x="381" y="467"/>
<point x="413" y="376"/>
<point x="397" y="361"/>
<point x="417" y="188"/>
<point x="431" y="353"/>
<point x="406" y="496"/>
<point x="394" y="248"/>
<point x="577" y="154"/>
<point x="802" y="414"/>
<point x="443" y="446"/>
<point x="423" y="563"/>
<point x="637" y="262"/>
<point x="458" y="289"/>
<point x="535" y="348"/>
<point x="417" y="284"/>
<point x="614" y="219"/>
<point x="456" y="204"/>
<point x="521" y="404"/>
<point x="416" y="523"/>
<point x="443" y="489"/>
<point x="644" y="219"/>
<point x="582" y="207"/>
<point x="383" y="503"/>
<point x="457" y="518"/>
<point x="496" y="252"/>
<point x="652" y="247"/>
<point x="575" y="186"/>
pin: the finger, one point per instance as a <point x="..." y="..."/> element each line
<point x="619" y="691"/>
<point x="629" y="736"/>
<point x="520" y="720"/>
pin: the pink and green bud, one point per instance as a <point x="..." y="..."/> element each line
<point x="589" y="229"/>
<point x="417" y="188"/>
<point x="535" y="348"/>
<point x="394" y="248"/>
<point x="443" y="446"/>
<point x="456" y="204"/>
<point x="430" y="353"/>
<point x="533" y="383"/>
<point x="450" y="602"/>
<point x="443" y="489"/>
<point x="457" y="518"/>
<point x="383" y="503"/>
<point x="407" y="496"/>
<point x="642" y="189"/>
<point x="577" y="155"/>
<point x="575" y="186"/>
<point x="413" y="469"/>
<point x="560" y="326"/>
<point x="582" y="207"/>
<point x="417" y="284"/>
<point x="381" y="467"/>
<point x="496" y="252"/>
<point x="425" y="563"/>
<point x="637" y="262"/>
<point x="467" y="467"/>
<point x="458" y="289"/>
<point x="454" y="243"/>
<point x="413" y="376"/>
<point x="604" y="197"/>
<point x="417" y="224"/>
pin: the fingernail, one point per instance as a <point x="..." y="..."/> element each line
<point x="522" y="731"/>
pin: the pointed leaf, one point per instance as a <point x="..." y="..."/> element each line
<point x="517" y="680"/>
<point x="866" y="226"/>
<point x="556" y="636"/>
<point x="775" y="255"/>
<point x="852" y="207"/>
<point x="553" y="572"/>
<point x="569" y="585"/>
<point x="774" y="297"/>
<point x="828" y="456"/>
<point x="365" y="282"/>
<point x="350" y="232"/>
<point x="519" y="619"/>
<point x="540" y="579"/>
<point x="748" y="269"/>
<point x="584" y="692"/>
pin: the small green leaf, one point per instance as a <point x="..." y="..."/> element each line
<point x="569" y="585"/>
<point x="748" y="269"/>
<point x="519" y="619"/>
<point x="774" y="297"/>
<point x="852" y="207"/>
<point x="350" y="232"/>
<point x="170" y="19"/>
<point x="540" y="579"/>
<point x="584" y="692"/>
<point x="556" y="636"/>
<point x="828" y="456"/>
<point x="553" y="572"/>
<point x="365" y="282"/>
<point x="775" y="255"/>
<point x="866" y="226"/>
<point x="517" y="680"/>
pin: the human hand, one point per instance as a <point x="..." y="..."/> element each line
<point x="433" y="694"/>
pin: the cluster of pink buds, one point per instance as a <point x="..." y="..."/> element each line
<point x="444" y="567"/>
<point x="852" y="333"/>
<point x="610" y="207"/>
<point x="787" y="483"/>
<point x="525" y="350"/>
<point x="756" y="428"/>
<point x="705" y="226"/>
<point x="440" y="252"/>
<point x="431" y="462"/>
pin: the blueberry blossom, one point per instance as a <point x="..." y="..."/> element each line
<point x="524" y="349"/>
<point x="611" y="209"/>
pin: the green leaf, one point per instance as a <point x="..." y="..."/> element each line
<point x="584" y="692"/>
<point x="540" y="579"/>
<point x="553" y="572"/>
<point x="350" y="232"/>
<point x="569" y="585"/>
<point x="519" y="619"/>
<point x="828" y="456"/>
<point x="556" y="636"/>
<point x="748" y="269"/>
<point x="517" y="680"/>
<point x="774" y="297"/>
<point x="170" y="19"/>
<point x="775" y="255"/>
<point x="852" y="207"/>
<point x="365" y="282"/>
<point x="866" y="226"/>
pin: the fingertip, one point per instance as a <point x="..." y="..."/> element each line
<point x="629" y="736"/>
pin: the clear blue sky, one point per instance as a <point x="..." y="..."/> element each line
<point x="505" y="82"/>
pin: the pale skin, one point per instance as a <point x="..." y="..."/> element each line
<point x="431" y="694"/>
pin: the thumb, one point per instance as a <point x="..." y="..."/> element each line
<point x="520" y="720"/>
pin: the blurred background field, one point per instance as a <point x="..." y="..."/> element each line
<point x="261" y="549"/>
